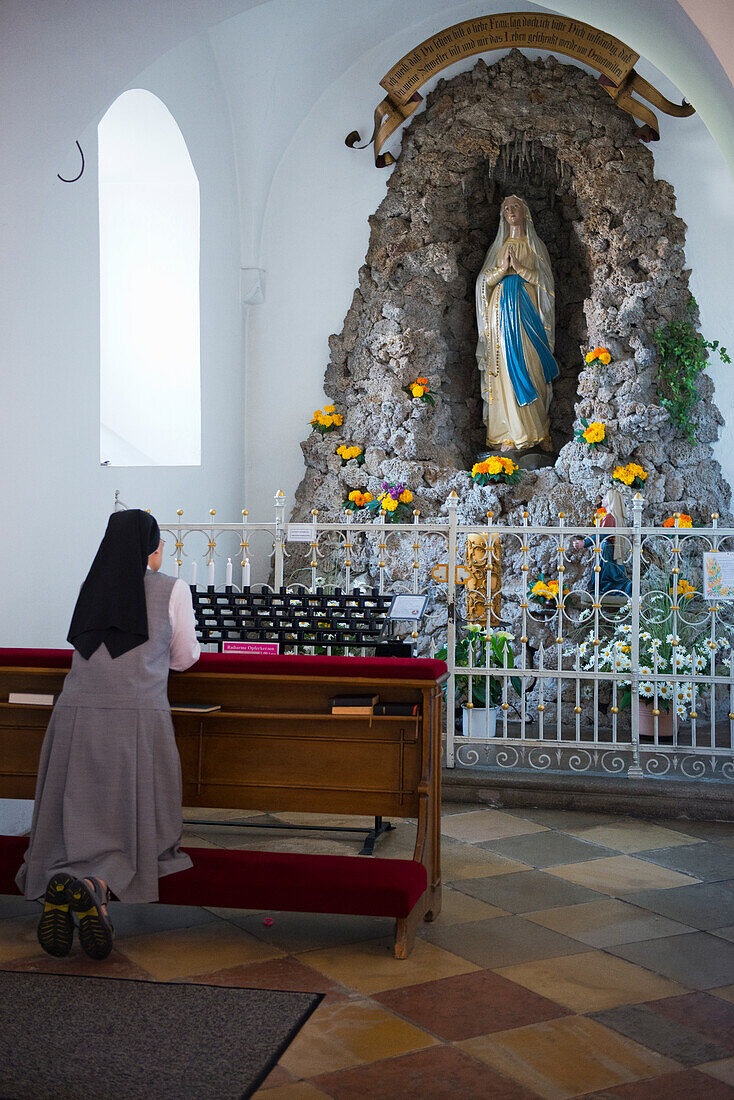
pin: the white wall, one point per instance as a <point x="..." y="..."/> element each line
<point x="54" y="495"/>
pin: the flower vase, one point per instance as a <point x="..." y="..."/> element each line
<point x="647" y="723"/>
<point x="479" y="721"/>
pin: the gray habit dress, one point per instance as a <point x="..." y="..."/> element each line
<point x="108" y="795"/>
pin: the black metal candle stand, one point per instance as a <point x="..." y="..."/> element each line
<point x="291" y="617"/>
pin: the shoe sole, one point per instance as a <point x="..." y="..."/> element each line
<point x="56" y="926"/>
<point x="95" y="930"/>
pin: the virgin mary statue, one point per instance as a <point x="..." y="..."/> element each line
<point x="516" y="323"/>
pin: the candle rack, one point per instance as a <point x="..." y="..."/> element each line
<point x="292" y="617"/>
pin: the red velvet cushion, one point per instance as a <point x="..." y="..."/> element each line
<point x="36" y="658"/>
<point x="381" y="668"/>
<point x="281" y="881"/>
<point x="384" y="668"/>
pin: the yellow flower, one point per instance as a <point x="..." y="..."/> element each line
<point x="494" y="465"/>
<point x="595" y="432"/>
<point x="329" y="408"/>
<point x="684" y="589"/>
<point x="623" y="474"/>
<point x="540" y="588"/>
<point x="417" y="390"/>
<point x="602" y="354"/>
<point x="337" y="418"/>
<point x="367" y="497"/>
<point x="508" y="465"/>
<point x="406" y="496"/>
<point x="355" y="495"/>
<point x="683" y="520"/>
<point x="389" y="503"/>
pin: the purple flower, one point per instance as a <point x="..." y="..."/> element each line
<point x="386" y="485"/>
<point x="395" y="492"/>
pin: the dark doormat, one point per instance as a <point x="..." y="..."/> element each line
<point x="68" y="1037"/>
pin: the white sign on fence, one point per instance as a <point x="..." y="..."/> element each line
<point x="301" y="532"/>
<point x="718" y="576"/>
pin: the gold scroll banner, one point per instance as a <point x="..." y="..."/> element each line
<point x="612" y="59"/>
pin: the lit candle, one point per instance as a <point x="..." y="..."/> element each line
<point x="211" y="574"/>
<point x="228" y="574"/>
<point x="193" y="574"/>
<point x="246" y="573"/>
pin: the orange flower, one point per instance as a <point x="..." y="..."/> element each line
<point x="683" y="520"/>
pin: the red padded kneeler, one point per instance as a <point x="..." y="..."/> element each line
<point x="281" y="881"/>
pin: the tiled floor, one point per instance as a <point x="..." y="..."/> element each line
<point x="575" y="955"/>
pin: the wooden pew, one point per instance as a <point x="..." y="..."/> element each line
<point x="275" y="746"/>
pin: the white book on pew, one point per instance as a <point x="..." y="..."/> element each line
<point x="31" y="698"/>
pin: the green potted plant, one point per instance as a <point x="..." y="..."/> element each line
<point x="482" y="648"/>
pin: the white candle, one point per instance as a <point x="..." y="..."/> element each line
<point x="246" y="573"/>
<point x="211" y="574"/>
<point x="228" y="574"/>
<point x="193" y="574"/>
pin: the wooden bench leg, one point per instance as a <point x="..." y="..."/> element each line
<point x="405" y="930"/>
<point x="434" y="903"/>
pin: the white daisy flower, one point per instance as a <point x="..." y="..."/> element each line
<point x="665" y="691"/>
<point x="647" y="689"/>
<point x="625" y="628"/>
<point x="645" y="670"/>
<point x="656" y="643"/>
<point x="646" y="635"/>
<point x="681" y="711"/>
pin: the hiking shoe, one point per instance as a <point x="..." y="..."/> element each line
<point x="56" y="926"/>
<point x="87" y="897"/>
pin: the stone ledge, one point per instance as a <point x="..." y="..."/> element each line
<point x="709" y="800"/>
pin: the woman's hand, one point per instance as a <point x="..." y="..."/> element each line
<point x="513" y="261"/>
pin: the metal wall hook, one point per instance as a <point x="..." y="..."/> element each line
<point x="81" y="170"/>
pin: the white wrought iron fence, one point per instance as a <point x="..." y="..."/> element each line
<point x="578" y="678"/>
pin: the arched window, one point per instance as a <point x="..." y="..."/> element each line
<point x="150" y="386"/>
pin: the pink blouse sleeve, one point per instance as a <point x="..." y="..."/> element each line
<point x="185" y="648"/>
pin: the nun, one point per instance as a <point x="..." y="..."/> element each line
<point x="107" y="816"/>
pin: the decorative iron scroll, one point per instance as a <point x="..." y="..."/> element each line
<point x="612" y="59"/>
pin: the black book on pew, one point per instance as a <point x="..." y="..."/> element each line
<point x="354" y="706"/>
<point x="398" y="709"/>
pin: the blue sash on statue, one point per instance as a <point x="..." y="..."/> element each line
<point x="517" y="312"/>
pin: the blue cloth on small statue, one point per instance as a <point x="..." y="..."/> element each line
<point x="517" y="312"/>
<point x="613" y="576"/>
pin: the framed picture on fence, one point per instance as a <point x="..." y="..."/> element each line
<point x="718" y="575"/>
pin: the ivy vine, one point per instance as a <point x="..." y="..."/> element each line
<point x="683" y="356"/>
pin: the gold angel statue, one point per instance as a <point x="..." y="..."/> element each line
<point x="516" y="322"/>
